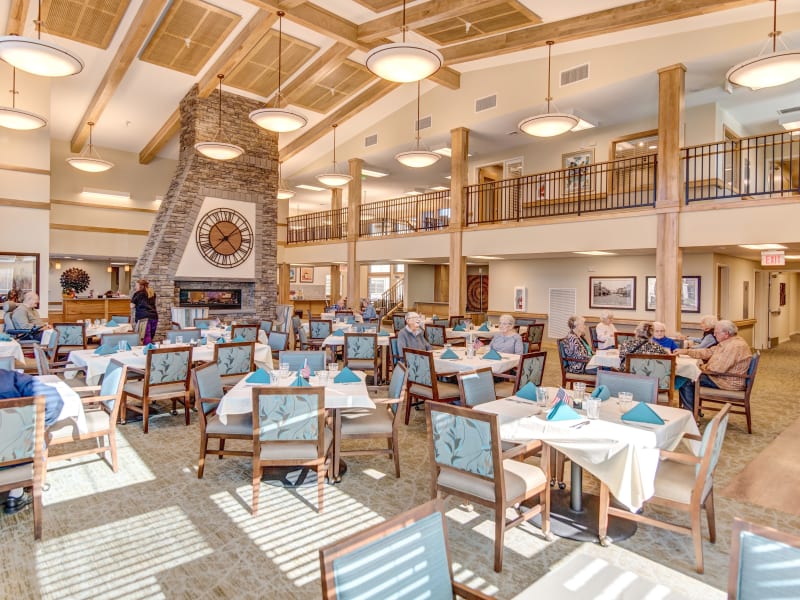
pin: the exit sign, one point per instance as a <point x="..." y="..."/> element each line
<point x="773" y="258"/>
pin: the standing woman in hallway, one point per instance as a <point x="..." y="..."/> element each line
<point x="144" y="304"/>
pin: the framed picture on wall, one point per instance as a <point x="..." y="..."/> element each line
<point x="577" y="177"/>
<point x="306" y="274"/>
<point x="612" y="292"/>
<point x="520" y="299"/>
<point x="690" y="294"/>
<point x="19" y="273"/>
<point x="292" y="274"/>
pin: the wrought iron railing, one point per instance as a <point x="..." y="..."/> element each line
<point x="753" y="166"/>
<point x="613" y="185"/>
<point x="317" y="227"/>
<point x="390" y="298"/>
<point x="424" y="212"/>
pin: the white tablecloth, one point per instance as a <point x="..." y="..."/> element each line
<point x="103" y="330"/>
<point x="445" y="365"/>
<point x="12" y="348"/>
<point x="73" y="406"/>
<point x="486" y="335"/>
<point x="338" y="340"/>
<point x="624" y="456"/>
<point x="185" y="316"/>
<point x="685" y="366"/>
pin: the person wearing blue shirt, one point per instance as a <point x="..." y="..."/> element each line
<point x="660" y="337"/>
<point x="369" y="312"/>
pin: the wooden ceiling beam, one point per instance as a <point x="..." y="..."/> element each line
<point x="143" y="22"/>
<point x="319" y="70"/>
<point x="290" y="4"/>
<point x="16" y="17"/>
<point x="620" y="18"/>
<point x="167" y="131"/>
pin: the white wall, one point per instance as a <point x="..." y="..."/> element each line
<point x="100" y="278"/>
<point x="419" y="284"/>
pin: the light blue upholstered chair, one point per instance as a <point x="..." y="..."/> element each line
<point x="278" y="341"/>
<point x="477" y="387"/>
<point x="529" y="370"/>
<point x="289" y="430"/>
<point x="265" y="326"/>
<point x="739" y="400"/>
<point x="21" y="450"/>
<point x="187" y="335"/>
<point x="422" y="382"/>
<point x="662" y="367"/>
<point x="7" y="363"/>
<point x="534" y="337"/>
<point x="248" y="332"/>
<point x="467" y="462"/>
<point x="643" y="388"/>
<point x="234" y="360"/>
<point x="683" y="482"/>
<point x="398" y="321"/>
<point x="204" y="323"/>
<point x="113" y="339"/>
<point x="621" y="337"/>
<point x="318" y="330"/>
<point x="361" y="353"/>
<point x="435" y="335"/>
<point x="297" y="359"/>
<point x="394" y="352"/>
<point x="121" y="319"/>
<point x="71" y="336"/>
<point x="166" y="377"/>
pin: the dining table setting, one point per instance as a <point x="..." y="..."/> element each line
<point x="685" y="366"/>
<point x="452" y="359"/>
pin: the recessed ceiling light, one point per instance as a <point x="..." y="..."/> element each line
<point x="762" y="246"/>
<point x="373" y="173"/>
<point x="486" y="257"/>
<point x="412" y="193"/>
<point x="439" y="188"/>
<point x="596" y="253"/>
<point x="313" y="188"/>
<point x="792" y="257"/>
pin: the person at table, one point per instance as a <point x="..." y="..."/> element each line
<point x="605" y="331"/>
<point x="726" y="363"/>
<point x="368" y="313"/>
<point x="641" y="344"/>
<point x="660" y="337"/>
<point x="707" y="322"/>
<point x="143" y="302"/>
<point x="25" y="316"/>
<point x="576" y="346"/>
<point x="411" y="336"/>
<point x="507" y="340"/>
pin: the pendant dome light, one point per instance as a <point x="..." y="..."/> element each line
<point x="15" y="118"/>
<point x="417" y="158"/>
<point x="33" y="55"/>
<point x="768" y="70"/>
<point x="89" y="160"/>
<point x="548" y="124"/>
<point x="334" y="179"/>
<point x="403" y="62"/>
<point x="283" y="193"/>
<point x="279" y="120"/>
<point x="220" y="148"/>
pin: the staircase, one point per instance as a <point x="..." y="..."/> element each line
<point x="391" y="301"/>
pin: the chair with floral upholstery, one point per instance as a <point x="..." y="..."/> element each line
<point x="204" y="323"/>
<point x="289" y="431"/>
<point x="467" y="462"/>
<point x="234" y="360"/>
<point x="435" y="334"/>
<point x="265" y="326"/>
<point x="643" y="388"/>
<point x="398" y="321"/>
<point x="297" y="359"/>
<point x="530" y="369"/>
<point x="248" y="332"/>
<point x="659" y="366"/>
<point x="319" y="329"/>
<point x="454" y="320"/>
<point x="361" y="353"/>
<point x="422" y="383"/>
<point x="166" y="377"/>
<point x="113" y="339"/>
<point x="21" y="450"/>
<point x="71" y="336"/>
<point x="621" y="337"/>
<point x="278" y="341"/>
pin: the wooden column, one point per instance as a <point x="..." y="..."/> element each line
<point x="336" y="278"/>
<point x="353" y="224"/>
<point x="441" y="283"/>
<point x="669" y="196"/>
<point x="457" y="294"/>
<point x="283" y="283"/>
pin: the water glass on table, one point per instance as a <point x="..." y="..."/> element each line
<point x="121" y="346"/>
<point x="624" y="401"/>
<point x="333" y="369"/>
<point x="542" y="397"/>
<point x="178" y="339"/>
<point x="578" y="393"/>
<point x="593" y="408"/>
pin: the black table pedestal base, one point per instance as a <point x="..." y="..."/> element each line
<point x="296" y="477"/>
<point x="581" y="526"/>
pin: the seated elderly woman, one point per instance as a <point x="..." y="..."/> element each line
<point x="605" y="330"/>
<point x="641" y="344"/>
<point x="507" y="340"/>
<point x="576" y="346"/>
<point x="707" y="322"/>
<point x="660" y="337"/>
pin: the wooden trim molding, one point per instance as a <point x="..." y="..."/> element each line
<point x="24" y="204"/>
<point x="104" y="206"/>
<point x="87" y="229"/>
<point x="21" y="169"/>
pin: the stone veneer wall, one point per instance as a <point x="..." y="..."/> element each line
<point x="253" y="177"/>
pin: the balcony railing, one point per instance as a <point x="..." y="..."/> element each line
<point x="618" y="184"/>
<point x="317" y="227"/>
<point x="425" y="212"/>
<point x="753" y="166"/>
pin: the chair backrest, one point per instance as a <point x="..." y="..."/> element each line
<point x="289" y="414"/>
<point x="168" y="365"/>
<point x="420" y="368"/>
<point x="435" y="335"/>
<point x="410" y="550"/>
<point x="360" y="346"/>
<point x="298" y="358"/>
<point x="186" y="334"/>
<point x="455" y="320"/>
<point x="112" y="339"/>
<point x="764" y="563"/>
<point x="112" y="385"/>
<point x="751" y="374"/>
<point x="265" y="326"/>
<point x="71" y="335"/>
<point x="443" y="322"/>
<point x="234" y="358"/>
<point x="394" y="351"/>
<point x="535" y="335"/>
<point x="248" y="332"/>
<point x="398" y="382"/>
<point x="398" y="321"/>
<point x="204" y="323"/>
<point x="530" y="369"/>
<point x="121" y="318"/>
<point x="21" y="433"/>
<point x="207" y="384"/>
<point x="643" y="388"/>
<point x="567" y="361"/>
<point x="42" y="362"/>
<point x="623" y="336"/>
<point x="319" y="329"/>
<point x="710" y="450"/>
<point x="593" y="336"/>
<point x="477" y="387"/>
<point x="8" y="363"/>
<point x="278" y="340"/>
<point x="660" y="366"/>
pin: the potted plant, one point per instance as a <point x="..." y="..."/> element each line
<point x="74" y="281"/>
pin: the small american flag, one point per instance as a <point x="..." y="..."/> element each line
<point x="477" y="344"/>
<point x="561" y="395"/>
<point x="306" y="370"/>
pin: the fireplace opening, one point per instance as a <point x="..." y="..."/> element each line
<point x="211" y="298"/>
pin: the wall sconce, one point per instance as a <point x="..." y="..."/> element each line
<point x="127" y="268"/>
<point x="109" y="269"/>
<point x="58" y="265"/>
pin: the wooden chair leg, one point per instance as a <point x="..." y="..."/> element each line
<point x="186" y="408"/>
<point x="321" y="469"/>
<point x="256" y="483"/>
<point x="221" y="447"/>
<point x="712" y="523"/>
<point x="697" y="537"/>
<point x="499" y="531"/>
<point x="201" y="463"/>
<point x="409" y="402"/>
<point x="395" y="454"/>
<point x="602" y="521"/>
<point x="112" y="443"/>
<point x="37" y="514"/>
<point x="145" y="413"/>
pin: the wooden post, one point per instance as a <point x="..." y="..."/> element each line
<point x="336" y="205"/>
<point x="353" y="225"/>
<point x="283" y="284"/>
<point x="457" y="293"/>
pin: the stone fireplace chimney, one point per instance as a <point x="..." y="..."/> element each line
<point x="174" y="256"/>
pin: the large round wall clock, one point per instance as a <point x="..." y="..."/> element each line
<point x="224" y="238"/>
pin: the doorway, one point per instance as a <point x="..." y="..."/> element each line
<point x="723" y="292"/>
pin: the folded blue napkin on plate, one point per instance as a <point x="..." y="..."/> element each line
<point x="299" y="382"/>
<point x="239" y="338"/>
<point x="602" y="392"/>
<point x="112" y="323"/>
<point x="484" y="327"/>
<point x="527" y="392"/>
<point x="492" y="355"/>
<point x="259" y="376"/>
<point x="219" y="340"/>
<point x="346" y="376"/>
<point x="562" y="412"/>
<point x="339" y="333"/>
<point x="4" y="337"/>
<point x="383" y="334"/>
<point x="642" y="413"/>
<point x="459" y="327"/>
<point x="449" y="354"/>
<point x="148" y="347"/>
<point x="202" y="325"/>
<point x="103" y="350"/>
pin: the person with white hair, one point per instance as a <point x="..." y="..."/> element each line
<point x="660" y="337"/>
<point x="25" y="316"/>
<point x="605" y="331"/>
<point x="576" y="346"/>
<point x="411" y="336"/>
<point x="643" y="343"/>
<point x="707" y="322"/>
<point x="507" y="340"/>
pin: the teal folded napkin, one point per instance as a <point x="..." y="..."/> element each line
<point x="125" y="345"/>
<point x="449" y="354"/>
<point x="299" y="382"/>
<point x="484" y="327"/>
<point x="346" y="376"/>
<point x="203" y="341"/>
<point x="259" y="376"/>
<point x="228" y="328"/>
<point x="339" y="333"/>
<point x="4" y="337"/>
<point x="148" y="347"/>
<point x="602" y="392"/>
<point x="219" y="340"/>
<point x="492" y="355"/>
<point x="202" y="325"/>
<point x="642" y="413"/>
<point x="103" y="350"/>
<point x="112" y="323"/>
<point x="459" y="327"/>
<point x="239" y="338"/>
<point x="562" y="412"/>
<point x="383" y="334"/>
<point x="527" y="392"/>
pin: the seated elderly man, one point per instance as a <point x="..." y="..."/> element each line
<point x="411" y="336"/>
<point x="660" y="337"/>
<point x="25" y="316"/>
<point x="726" y="363"/>
<point x="507" y="340"/>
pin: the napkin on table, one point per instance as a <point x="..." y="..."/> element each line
<point x="484" y="327"/>
<point x="219" y="340"/>
<point x="492" y="355"/>
<point x="459" y="327"/>
<point x="299" y="382"/>
<point x="527" y="392"/>
<point x="202" y="325"/>
<point x="562" y="412"/>
<point x="259" y="376"/>
<point x="4" y="337"/>
<point x="642" y="413"/>
<point x="346" y="376"/>
<point x="112" y="323"/>
<point x="383" y="334"/>
<point x="147" y="348"/>
<point x="449" y="354"/>
<point x="104" y="350"/>
<point x="339" y="333"/>
<point x="602" y="392"/>
<point x="239" y="338"/>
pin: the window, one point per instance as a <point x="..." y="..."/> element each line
<point x="380" y="268"/>
<point x="377" y="286"/>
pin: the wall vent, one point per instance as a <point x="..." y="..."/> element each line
<point x="370" y="140"/>
<point x="423" y="123"/>
<point x="485" y="103"/>
<point x="574" y="75"/>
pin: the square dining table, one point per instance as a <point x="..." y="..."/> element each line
<point x="12" y="348"/>
<point x="464" y="363"/>
<point x="685" y="366"/>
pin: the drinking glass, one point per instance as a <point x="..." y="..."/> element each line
<point x="322" y="377"/>
<point x="178" y="339"/>
<point x="333" y="368"/>
<point x="121" y="346"/>
<point x="593" y="408"/>
<point x="283" y="370"/>
<point x="624" y="400"/>
<point x="542" y="397"/>
<point x="578" y="391"/>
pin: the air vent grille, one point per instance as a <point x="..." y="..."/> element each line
<point x="370" y="140"/>
<point x="423" y="123"/>
<point x="486" y="103"/>
<point x="574" y="75"/>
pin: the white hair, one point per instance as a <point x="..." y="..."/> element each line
<point x="606" y="315"/>
<point x="727" y="326"/>
<point x="708" y="321"/>
<point x="507" y="319"/>
<point x="411" y="315"/>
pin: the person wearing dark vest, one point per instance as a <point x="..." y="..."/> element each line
<point x="143" y="302"/>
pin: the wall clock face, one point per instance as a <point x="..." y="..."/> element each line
<point x="224" y="238"/>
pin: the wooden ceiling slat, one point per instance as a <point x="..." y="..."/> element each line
<point x="91" y="22"/>
<point x="16" y="17"/>
<point x="316" y="72"/>
<point x="345" y="80"/>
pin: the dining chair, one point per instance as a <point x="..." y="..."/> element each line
<point x="660" y="366"/>
<point x="394" y="353"/>
<point x="361" y="353"/>
<point x="187" y="335"/>
<point x="289" y="430"/>
<point x="763" y="562"/>
<point x="467" y="461"/>
<point x="476" y="387"/>
<point x="623" y="336"/>
<point x="22" y="450"/>
<point x="71" y="336"/>
<point x="318" y="330"/>
<point x="265" y="326"/>
<point x="121" y="319"/>
<point x="435" y="334"/>
<point x="248" y="332"/>
<point x="454" y="320"/>
<point x="593" y="337"/>
<point x="712" y="398"/>
<point x="277" y="341"/>
<point x="398" y="321"/>
<point x="234" y="360"/>
<point x="567" y="377"/>
<point x="101" y="413"/>
<point x="208" y="391"/>
<point x="204" y="323"/>
<point x="60" y="369"/>
<point x="530" y="369"/>
<point x="8" y="363"/>
<point x="297" y="359"/>
<point x="644" y="388"/>
<point x="113" y="339"/>
<point x="422" y="384"/>
<point x="300" y="337"/>
<point x="683" y="482"/>
<point x="408" y="552"/>
<point x="378" y="423"/>
<point x="166" y="377"/>
<point x="535" y="335"/>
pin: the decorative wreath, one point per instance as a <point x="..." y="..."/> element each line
<point x="75" y="279"/>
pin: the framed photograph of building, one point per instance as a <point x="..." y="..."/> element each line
<point x="612" y="292"/>
<point x="306" y="274"/>
<point x="577" y="177"/>
<point x="690" y="294"/>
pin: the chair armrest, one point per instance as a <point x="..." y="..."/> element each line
<point x="686" y="459"/>
<point x="523" y="449"/>
<point x="462" y="591"/>
<point x="693" y="436"/>
<point x="135" y="370"/>
<point x="389" y="401"/>
<point x="86" y="388"/>
<point x="505" y="376"/>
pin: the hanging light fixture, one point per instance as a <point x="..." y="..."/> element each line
<point x="278" y="119"/>
<point x="33" y="55"/>
<point x="548" y="124"/>
<point x="767" y="70"/>
<point x="219" y="149"/>
<point x="15" y="118"/>
<point x="403" y="62"/>
<point x="89" y="160"/>
<point x="283" y="193"/>
<point x="334" y="179"/>
<point x="418" y="157"/>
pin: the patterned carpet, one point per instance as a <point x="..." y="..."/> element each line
<point x="154" y="530"/>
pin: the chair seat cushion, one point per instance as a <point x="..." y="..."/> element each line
<point x="360" y="363"/>
<point x="299" y="450"/>
<point x="377" y="420"/>
<point x="520" y="479"/>
<point x="20" y="473"/>
<point x="136" y="388"/>
<point x="581" y="377"/>
<point x="236" y="425"/>
<point x="503" y="389"/>
<point x="709" y="392"/>
<point x="446" y="390"/>
<point x="675" y="481"/>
